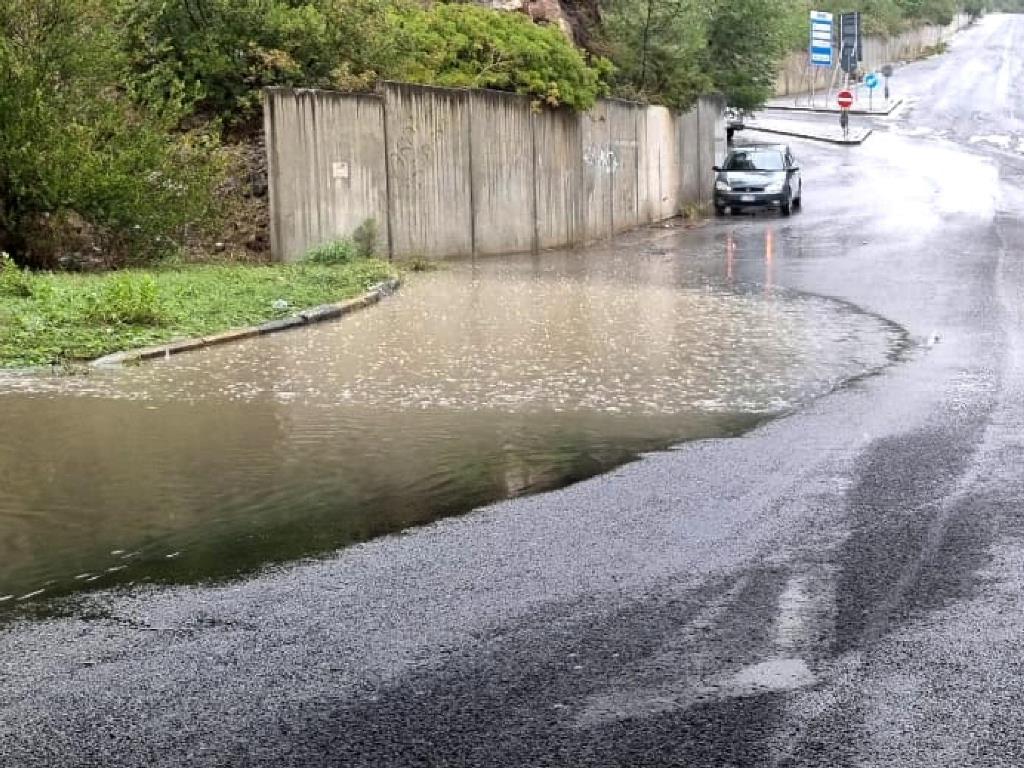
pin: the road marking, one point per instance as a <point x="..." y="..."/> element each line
<point x="772" y="675"/>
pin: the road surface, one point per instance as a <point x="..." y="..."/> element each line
<point x="841" y="587"/>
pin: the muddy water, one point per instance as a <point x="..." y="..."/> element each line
<point x="476" y="382"/>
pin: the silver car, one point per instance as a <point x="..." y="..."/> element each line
<point x="758" y="176"/>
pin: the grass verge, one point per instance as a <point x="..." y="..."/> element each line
<point x="60" y="317"/>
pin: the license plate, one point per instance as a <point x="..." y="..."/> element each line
<point x="746" y="198"/>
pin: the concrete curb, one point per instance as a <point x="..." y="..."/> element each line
<point x="829" y="111"/>
<point x="303" y="318"/>
<point x="803" y="135"/>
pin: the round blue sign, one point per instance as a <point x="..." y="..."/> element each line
<point x="871" y="81"/>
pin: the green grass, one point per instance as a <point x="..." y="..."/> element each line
<point x="66" y="317"/>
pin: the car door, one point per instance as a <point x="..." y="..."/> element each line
<point x="795" y="182"/>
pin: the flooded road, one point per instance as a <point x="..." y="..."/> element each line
<point x="476" y="382"/>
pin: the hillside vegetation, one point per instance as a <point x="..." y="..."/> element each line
<point x="128" y="127"/>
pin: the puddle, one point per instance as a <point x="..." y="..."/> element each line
<point x="476" y="382"/>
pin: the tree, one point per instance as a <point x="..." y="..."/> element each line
<point x="746" y="40"/>
<point x="657" y="47"/>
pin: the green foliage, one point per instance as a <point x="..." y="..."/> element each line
<point x="465" y="45"/>
<point x="362" y="245"/>
<point x="694" y="211"/>
<point x="934" y="50"/>
<point x="126" y="299"/>
<point x="72" y="140"/>
<point x="60" y="320"/>
<point x="13" y="280"/>
<point x="672" y="51"/>
<point x="744" y="65"/>
<point x="219" y="53"/>
<point x="889" y="17"/>
<point x="365" y="239"/>
<point x="337" y="252"/>
<point x="975" y="8"/>
<point x="658" y="48"/>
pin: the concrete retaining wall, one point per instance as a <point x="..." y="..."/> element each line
<point x="429" y="174"/>
<point x="503" y="177"/>
<point x="329" y="176"/>
<point x="450" y="172"/>
<point x="660" y="175"/>
<point x="878" y="51"/>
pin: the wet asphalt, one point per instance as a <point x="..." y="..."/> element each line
<point x="841" y="587"/>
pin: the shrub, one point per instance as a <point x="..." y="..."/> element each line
<point x="219" y="53"/>
<point x="466" y="45"/>
<point x="338" y="252"/>
<point x="127" y="299"/>
<point x="365" y="239"/>
<point x="71" y="139"/>
<point x="13" y="281"/>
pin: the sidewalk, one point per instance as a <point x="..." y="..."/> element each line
<point x="825" y="103"/>
<point x="813" y="131"/>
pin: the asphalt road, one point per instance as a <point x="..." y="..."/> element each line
<point x="841" y="587"/>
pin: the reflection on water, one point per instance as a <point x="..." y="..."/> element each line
<point x="476" y="382"/>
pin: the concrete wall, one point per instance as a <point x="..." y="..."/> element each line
<point x="429" y="180"/>
<point x="692" y="175"/>
<point x="558" y="141"/>
<point x="878" y="51"/>
<point x="660" y="164"/>
<point x="503" y="176"/>
<point x="326" y="162"/>
<point x="598" y="166"/>
<point x="458" y="172"/>
<point x="624" y="144"/>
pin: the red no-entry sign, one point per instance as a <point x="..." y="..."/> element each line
<point x="845" y="99"/>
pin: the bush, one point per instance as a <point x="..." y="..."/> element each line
<point x="126" y="299"/>
<point x="73" y="142"/>
<point x="365" y="239"/>
<point x="338" y="252"/>
<point x="220" y="53"/>
<point x="13" y="281"/>
<point x="466" y="45"/>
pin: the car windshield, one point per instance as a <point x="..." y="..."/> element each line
<point x="755" y="160"/>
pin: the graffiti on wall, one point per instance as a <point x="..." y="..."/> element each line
<point x="602" y="157"/>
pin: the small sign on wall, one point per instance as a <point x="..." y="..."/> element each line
<point x="339" y="170"/>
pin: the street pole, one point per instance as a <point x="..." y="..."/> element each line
<point x="811" y="78"/>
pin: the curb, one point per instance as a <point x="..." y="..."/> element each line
<point x="303" y="318"/>
<point x="813" y="137"/>
<point x="829" y="111"/>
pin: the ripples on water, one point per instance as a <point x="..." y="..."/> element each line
<point x="475" y="382"/>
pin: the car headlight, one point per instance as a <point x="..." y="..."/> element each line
<point x="775" y="187"/>
<point x="721" y="186"/>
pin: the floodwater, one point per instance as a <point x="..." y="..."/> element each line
<point x="475" y="382"/>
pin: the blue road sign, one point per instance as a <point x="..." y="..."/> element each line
<point x="821" y="48"/>
<point x="871" y="81"/>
